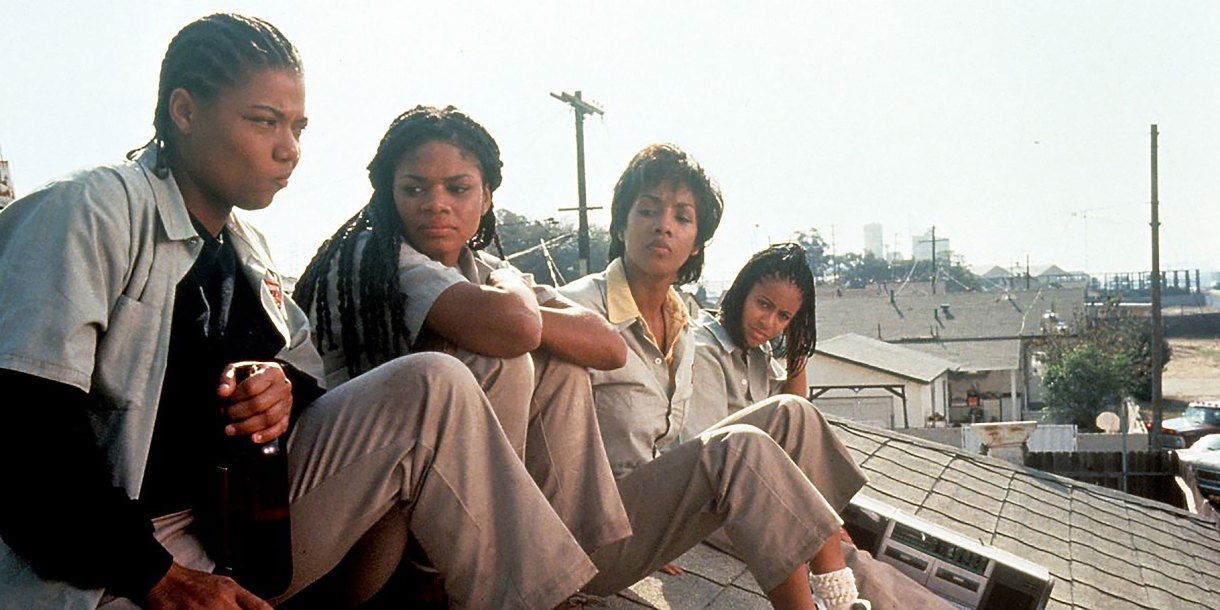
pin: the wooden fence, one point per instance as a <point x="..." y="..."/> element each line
<point x="1149" y="474"/>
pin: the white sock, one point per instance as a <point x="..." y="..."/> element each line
<point x="836" y="590"/>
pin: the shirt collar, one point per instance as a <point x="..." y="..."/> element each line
<point x="170" y="205"/>
<point x="467" y="265"/>
<point x="621" y="306"/>
<point x="721" y="333"/>
<point x="726" y="342"/>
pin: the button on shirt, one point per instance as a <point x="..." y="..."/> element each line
<point x="642" y="405"/>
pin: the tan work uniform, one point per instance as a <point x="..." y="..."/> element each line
<point x="765" y="474"/>
<point x="730" y="379"/>
<point x="544" y="404"/>
<point x="98" y="256"/>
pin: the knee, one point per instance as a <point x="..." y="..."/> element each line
<point x="739" y="441"/>
<point x="795" y="409"/>
<point x="415" y="372"/>
<point x="490" y="370"/>
<point x="547" y="366"/>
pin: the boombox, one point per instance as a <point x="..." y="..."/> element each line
<point x="963" y="571"/>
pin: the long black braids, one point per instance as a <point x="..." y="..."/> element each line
<point x="364" y="251"/>
<point x="785" y="262"/>
<point x="207" y="56"/>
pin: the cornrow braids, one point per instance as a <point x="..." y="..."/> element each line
<point x="207" y="56"/>
<point x="783" y="262"/>
<point x="655" y="164"/>
<point x="361" y="258"/>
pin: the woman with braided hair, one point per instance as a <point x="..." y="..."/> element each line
<point x="142" y="288"/>
<point x="407" y="274"/>
<point x="771" y="298"/>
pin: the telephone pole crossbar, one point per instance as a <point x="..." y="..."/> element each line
<point x="582" y="108"/>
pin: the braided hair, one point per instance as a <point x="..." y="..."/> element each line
<point x="778" y="262"/>
<point x="372" y="314"/>
<point x="210" y="55"/>
<point x="656" y="164"/>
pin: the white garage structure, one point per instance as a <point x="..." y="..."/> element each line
<point x="879" y="383"/>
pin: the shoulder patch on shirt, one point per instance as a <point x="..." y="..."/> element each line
<point x="273" y="286"/>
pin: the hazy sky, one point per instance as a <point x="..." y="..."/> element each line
<point x="1017" y="128"/>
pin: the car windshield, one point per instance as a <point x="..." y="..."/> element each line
<point x="1205" y="415"/>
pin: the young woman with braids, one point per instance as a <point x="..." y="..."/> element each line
<point x="772" y="298"/>
<point x="407" y="274"/>
<point x="773" y="476"/>
<point x="141" y="289"/>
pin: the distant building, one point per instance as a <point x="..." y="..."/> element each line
<point x="873" y="244"/>
<point x="879" y="383"/>
<point x="921" y="247"/>
<point x="988" y="335"/>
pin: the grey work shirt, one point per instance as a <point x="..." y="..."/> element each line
<point x="423" y="280"/>
<point x="641" y="406"/>
<point x="90" y="264"/>
<point x="730" y="378"/>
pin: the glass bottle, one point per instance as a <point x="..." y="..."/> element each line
<point x="253" y="532"/>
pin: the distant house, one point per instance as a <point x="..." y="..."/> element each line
<point x="990" y="272"/>
<point x="987" y="334"/>
<point x="881" y="383"/>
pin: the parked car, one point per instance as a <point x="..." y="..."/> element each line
<point x="1207" y="447"/>
<point x="1204" y="458"/>
<point x="1199" y="419"/>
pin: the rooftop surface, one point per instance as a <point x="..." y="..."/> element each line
<point x="896" y="359"/>
<point x="1106" y="549"/>
<point x="923" y="317"/>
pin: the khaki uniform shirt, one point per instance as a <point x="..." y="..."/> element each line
<point x="423" y="280"/>
<point x="641" y="406"/>
<point x="89" y="265"/>
<point x="729" y="377"/>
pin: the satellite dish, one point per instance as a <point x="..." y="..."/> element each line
<point x="1108" y="422"/>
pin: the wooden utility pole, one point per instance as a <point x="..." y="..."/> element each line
<point x="1157" y="330"/>
<point x="582" y="108"/>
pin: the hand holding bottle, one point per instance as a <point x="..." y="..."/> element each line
<point x="259" y="405"/>
<point x="253" y="533"/>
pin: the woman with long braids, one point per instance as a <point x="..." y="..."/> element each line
<point x="772" y="298"/>
<point x="407" y="274"/>
<point x="768" y="475"/>
<point x="141" y="290"/>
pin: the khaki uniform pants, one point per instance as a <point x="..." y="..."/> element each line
<point x="773" y="475"/>
<point x="545" y="406"/>
<point x="414" y="446"/>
